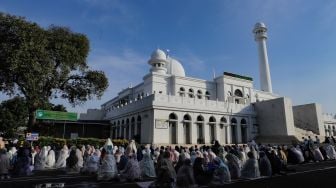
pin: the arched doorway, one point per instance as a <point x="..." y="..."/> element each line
<point x="132" y="127"/>
<point x="122" y="129"/>
<point x="127" y="129"/>
<point x="199" y="127"/>
<point x="139" y="128"/>
<point x="243" y="125"/>
<point x="118" y="130"/>
<point x="172" y="128"/>
<point x="223" y="123"/>
<point x="234" y="131"/>
<point x="212" y="124"/>
<point x="186" y="129"/>
<point x="334" y="131"/>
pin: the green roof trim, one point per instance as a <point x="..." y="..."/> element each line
<point x="238" y="76"/>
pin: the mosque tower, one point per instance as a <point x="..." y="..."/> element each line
<point x="260" y="35"/>
<point x="158" y="62"/>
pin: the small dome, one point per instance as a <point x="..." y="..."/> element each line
<point x="259" y="24"/>
<point x="175" y="68"/>
<point x="158" y="55"/>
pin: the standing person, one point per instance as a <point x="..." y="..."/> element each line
<point x="251" y="167"/>
<point x="4" y="164"/>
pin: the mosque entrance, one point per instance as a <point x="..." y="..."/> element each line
<point x="172" y="128"/>
<point x="244" y="130"/>
<point x="132" y="127"/>
<point x="234" y="131"/>
<point x="223" y="123"/>
<point x="212" y="124"/>
<point x="139" y="128"/>
<point x="186" y="129"/>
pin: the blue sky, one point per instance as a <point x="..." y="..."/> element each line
<point x="204" y="36"/>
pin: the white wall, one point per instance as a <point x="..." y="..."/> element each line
<point x="275" y="117"/>
<point x="309" y="117"/>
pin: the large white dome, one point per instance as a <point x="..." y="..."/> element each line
<point x="174" y="67"/>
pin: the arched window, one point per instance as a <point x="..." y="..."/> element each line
<point x="199" y="94"/>
<point x="191" y="93"/>
<point x="212" y="119"/>
<point x="212" y="123"/>
<point x="172" y="116"/>
<point x="207" y="95"/>
<point x="243" y="122"/>
<point x="187" y="129"/>
<point x="182" y="91"/>
<point x="127" y="129"/>
<point x="199" y="129"/>
<point x="187" y="117"/>
<point x="233" y="121"/>
<point x="238" y="93"/>
<point x="223" y="120"/>
<point x="200" y="118"/>
<point x="172" y="128"/>
<point x="139" y="128"/>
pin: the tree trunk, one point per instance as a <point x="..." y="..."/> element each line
<point x="31" y="119"/>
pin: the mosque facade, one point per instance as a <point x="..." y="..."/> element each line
<point x="168" y="107"/>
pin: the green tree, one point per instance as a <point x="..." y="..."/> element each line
<point x="40" y="64"/>
<point x="13" y="114"/>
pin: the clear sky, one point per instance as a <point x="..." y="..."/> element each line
<point x="206" y="36"/>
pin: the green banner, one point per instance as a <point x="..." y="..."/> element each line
<point x="55" y="115"/>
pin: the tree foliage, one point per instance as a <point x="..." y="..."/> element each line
<point x="40" y="64"/>
<point x="13" y="114"/>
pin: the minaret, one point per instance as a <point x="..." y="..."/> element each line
<point x="158" y="62"/>
<point x="265" y="75"/>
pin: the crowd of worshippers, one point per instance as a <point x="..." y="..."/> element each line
<point x="167" y="166"/>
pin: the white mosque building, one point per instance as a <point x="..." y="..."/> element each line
<point x="168" y="107"/>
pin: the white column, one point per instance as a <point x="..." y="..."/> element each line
<point x="217" y="132"/>
<point x="206" y="133"/>
<point x="228" y="134"/>
<point x="238" y="132"/>
<point x="265" y="75"/>
<point x="180" y="132"/>
<point x="193" y="132"/>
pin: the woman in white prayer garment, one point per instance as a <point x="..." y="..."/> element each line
<point x="147" y="163"/>
<point x="40" y="159"/>
<point x="251" y="167"/>
<point x="317" y="154"/>
<point x="297" y="151"/>
<point x="108" y="168"/>
<point x="80" y="161"/>
<point x="61" y="161"/>
<point x="330" y="150"/>
<point x="91" y="166"/>
<point x="50" y="163"/>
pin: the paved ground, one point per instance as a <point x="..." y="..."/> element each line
<point x="319" y="175"/>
